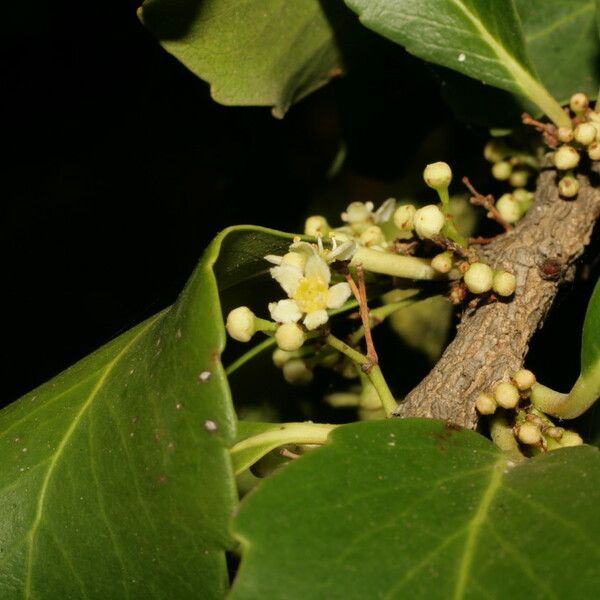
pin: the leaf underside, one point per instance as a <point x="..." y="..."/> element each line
<point x="413" y="508"/>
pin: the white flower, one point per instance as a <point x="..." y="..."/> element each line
<point x="300" y="252"/>
<point x="362" y="212"/>
<point x="308" y="290"/>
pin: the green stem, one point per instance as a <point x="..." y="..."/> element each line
<point x="265" y="325"/>
<point x="254" y="351"/>
<point x="373" y="372"/>
<point x="250" y="450"/>
<point x="503" y="436"/>
<point x="395" y="265"/>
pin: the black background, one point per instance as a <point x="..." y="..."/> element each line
<point x="118" y="168"/>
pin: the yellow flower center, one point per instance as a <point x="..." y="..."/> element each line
<point x="311" y="294"/>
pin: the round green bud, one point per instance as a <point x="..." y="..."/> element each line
<point x="579" y="103"/>
<point x="564" y="134"/>
<point x="289" y="337"/>
<point x="479" y="278"/>
<point x="524" y="379"/>
<point x="523" y="197"/>
<point x="372" y="236"/>
<point x="429" y="221"/>
<point x="568" y="186"/>
<point x="518" y="178"/>
<point x="594" y="151"/>
<point x="437" y="175"/>
<point x="570" y="439"/>
<point x="529" y="434"/>
<point x="555" y="433"/>
<point x="510" y="210"/>
<point x="506" y="395"/>
<point x="495" y="151"/>
<point x="486" y="404"/>
<point x="241" y="324"/>
<point x="502" y="170"/>
<point x="404" y="217"/>
<point x="566" y="157"/>
<point x="442" y="262"/>
<point x="296" y="372"/>
<point x="585" y="133"/>
<point x="504" y="283"/>
<point x="316" y="225"/>
<point x="280" y="357"/>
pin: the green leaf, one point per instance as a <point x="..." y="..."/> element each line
<point x="481" y="39"/>
<point x="417" y="509"/>
<point x="116" y="478"/>
<point x="269" y="53"/>
<point x="563" y="42"/>
<point x="590" y="344"/>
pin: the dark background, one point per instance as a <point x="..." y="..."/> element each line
<point x="119" y="168"/>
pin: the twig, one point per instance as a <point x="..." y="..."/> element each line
<point x="548" y="130"/>
<point x="488" y="203"/>
<point x="447" y="244"/>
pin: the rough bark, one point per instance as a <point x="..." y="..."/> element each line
<point x="492" y="340"/>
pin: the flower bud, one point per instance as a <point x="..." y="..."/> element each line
<point x="566" y="157"/>
<point x="570" y="439"/>
<point x="504" y="283"/>
<point x="479" y="278"/>
<point x="495" y="151"/>
<point x="316" y="225"/>
<point x="523" y="197"/>
<point x="502" y="170"/>
<point x="342" y="399"/>
<point x="555" y="433"/>
<point x="506" y="395"/>
<point x="518" y="178"/>
<point x="280" y="357"/>
<point x="358" y="212"/>
<point x="486" y="404"/>
<point x="429" y="221"/>
<point x="442" y="262"/>
<point x="241" y="324"/>
<point x="296" y="372"/>
<point x="372" y="236"/>
<point x="524" y="379"/>
<point x="568" y="186"/>
<point x="510" y="210"/>
<point x="594" y="151"/>
<point x="565" y="134"/>
<point x="404" y="217"/>
<point x="579" y="103"/>
<point x="437" y="175"/>
<point x="289" y="337"/>
<point x="585" y="133"/>
<point x="529" y="434"/>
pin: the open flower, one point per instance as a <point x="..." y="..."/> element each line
<point x="308" y="292"/>
<point x="300" y="252"/>
<point x="359" y="213"/>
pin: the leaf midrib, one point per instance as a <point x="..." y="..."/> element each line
<point x="54" y="460"/>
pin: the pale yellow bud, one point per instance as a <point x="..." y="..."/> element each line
<point x="442" y="262"/>
<point x="594" y="151"/>
<point x="523" y="197"/>
<point x="504" y="283"/>
<point x="566" y="157"/>
<point x="296" y="372"/>
<point x="404" y="217"/>
<point x="316" y="225"/>
<point x="565" y="134"/>
<point x="585" y="133"/>
<point x="495" y="151"/>
<point x="555" y="433"/>
<point x="570" y="439"/>
<point x="241" y="324"/>
<point x="518" y="178"/>
<point x="568" y="186"/>
<point x="280" y="357"/>
<point x="529" y="434"/>
<point x="437" y="175"/>
<point x="510" y="210"/>
<point x="372" y="236"/>
<point x="289" y="337"/>
<point x="486" y="404"/>
<point x="479" y="278"/>
<point x="502" y="170"/>
<point x="429" y="221"/>
<point x="524" y="379"/>
<point x="358" y="212"/>
<point x="506" y="395"/>
<point x="342" y="399"/>
<point x="579" y="102"/>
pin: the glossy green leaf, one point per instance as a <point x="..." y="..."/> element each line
<point x="116" y="477"/>
<point x="590" y="345"/>
<point x="417" y="509"/>
<point x="267" y="53"/>
<point x="479" y="38"/>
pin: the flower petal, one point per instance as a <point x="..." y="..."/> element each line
<point x="338" y="294"/>
<point x="288" y="276"/>
<point x="285" y="311"/>
<point x="316" y="268"/>
<point x="273" y="259"/>
<point x="385" y="211"/>
<point x="344" y="251"/>
<point x="315" y="319"/>
<point x="303" y="248"/>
